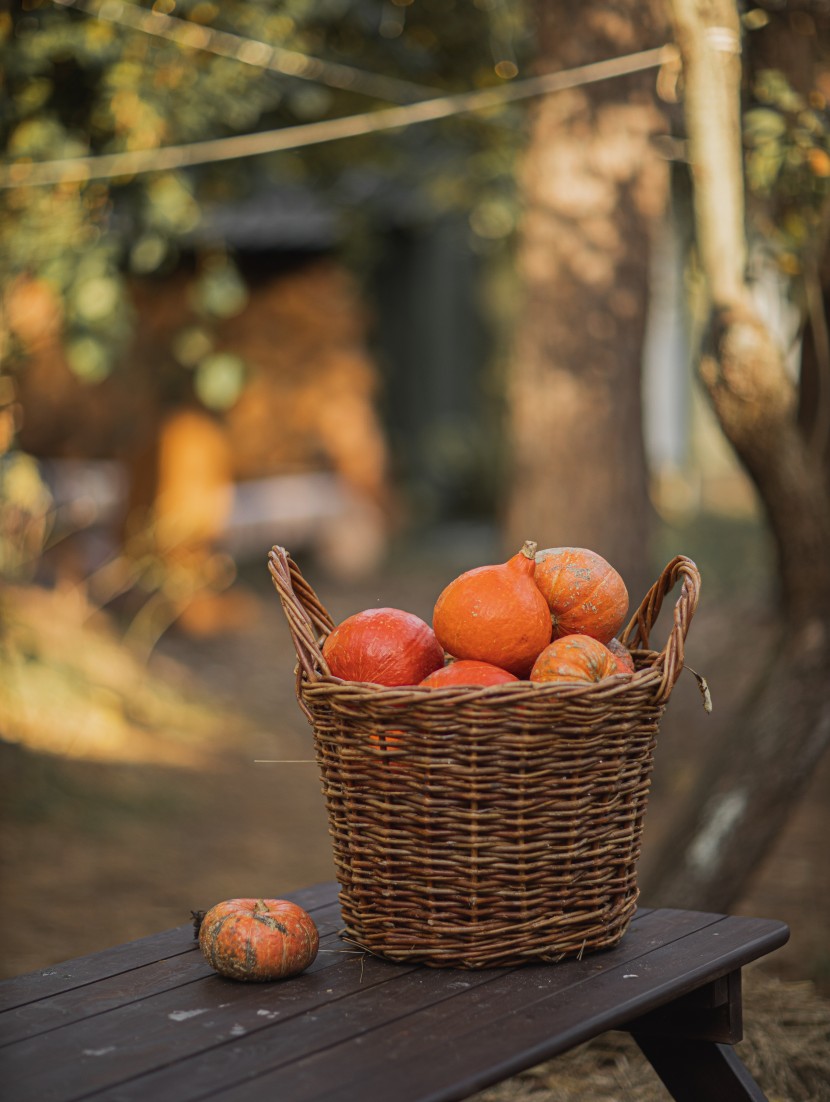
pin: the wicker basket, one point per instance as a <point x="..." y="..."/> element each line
<point x="475" y="827"/>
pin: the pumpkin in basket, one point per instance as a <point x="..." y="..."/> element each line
<point x="384" y="646"/>
<point x="495" y="614"/>
<point x="258" y="939"/>
<point x="574" y="658"/>
<point x="625" y="663"/>
<point x="584" y="593"/>
<point x="469" y="673"/>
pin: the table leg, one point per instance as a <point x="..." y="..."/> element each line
<point x="689" y="1044"/>
<point x="700" y="1071"/>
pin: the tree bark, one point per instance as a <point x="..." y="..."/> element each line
<point x="592" y="189"/>
<point x="748" y="789"/>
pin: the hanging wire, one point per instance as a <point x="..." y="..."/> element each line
<point x="250" y="51"/>
<point x="169" y="158"/>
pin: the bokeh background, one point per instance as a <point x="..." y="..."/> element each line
<point x="398" y="347"/>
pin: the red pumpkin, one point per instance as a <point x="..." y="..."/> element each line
<point x="495" y="614"/>
<point x="625" y="663"/>
<point x="385" y="646"/>
<point x="574" y="658"/>
<point x="258" y="939"/>
<point x="467" y="672"/>
<point x="584" y="593"/>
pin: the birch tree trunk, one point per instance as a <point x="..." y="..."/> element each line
<point x="747" y="790"/>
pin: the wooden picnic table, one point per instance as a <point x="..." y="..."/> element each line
<point x="150" y="1020"/>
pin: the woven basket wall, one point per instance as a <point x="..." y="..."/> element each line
<point x="474" y="827"/>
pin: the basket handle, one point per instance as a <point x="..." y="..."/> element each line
<point x="308" y="620"/>
<point x="636" y="634"/>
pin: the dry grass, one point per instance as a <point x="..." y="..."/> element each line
<point x="71" y="688"/>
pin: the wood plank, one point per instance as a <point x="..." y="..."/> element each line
<point x="481" y="1036"/>
<point x="94" y="1054"/>
<point x="139" y="1038"/>
<point x="33" y="1018"/>
<point x="348" y="1014"/>
<point x="122" y="958"/>
<point x="89" y="969"/>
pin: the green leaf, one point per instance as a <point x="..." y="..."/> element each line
<point x="89" y="359"/>
<point x="191" y="345"/>
<point x="148" y="253"/>
<point x="219" y="379"/>
<point x="220" y="291"/>
<point x="763" y="124"/>
<point x="96" y="299"/>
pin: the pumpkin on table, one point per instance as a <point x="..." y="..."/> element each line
<point x="258" y="939"/>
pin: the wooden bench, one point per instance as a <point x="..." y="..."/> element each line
<point x="149" y="1019"/>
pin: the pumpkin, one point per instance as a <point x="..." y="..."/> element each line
<point x="385" y="646"/>
<point x="574" y="658"/>
<point x="392" y="739"/>
<point x="584" y="593"/>
<point x="258" y="939"/>
<point x="495" y="614"/>
<point x="625" y="663"/>
<point x="467" y="672"/>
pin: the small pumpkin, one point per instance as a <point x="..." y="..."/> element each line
<point x="574" y="658"/>
<point x="495" y="614"/>
<point x="467" y="672"/>
<point x="384" y="646"/>
<point x="625" y="663"/>
<point x="258" y="939"/>
<point x="584" y="593"/>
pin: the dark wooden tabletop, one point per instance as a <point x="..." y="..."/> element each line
<point x="150" y="1020"/>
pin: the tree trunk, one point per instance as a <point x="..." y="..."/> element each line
<point x="593" y="189"/>
<point x="749" y="787"/>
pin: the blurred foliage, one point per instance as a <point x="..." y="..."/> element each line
<point x="77" y="85"/>
<point x="70" y="689"/>
<point x="25" y="512"/>
<point x="787" y="143"/>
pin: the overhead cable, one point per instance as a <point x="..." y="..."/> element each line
<point x="26" y="173"/>
<point x="250" y="51"/>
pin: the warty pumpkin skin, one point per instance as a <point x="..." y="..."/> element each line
<point x="495" y="614"/>
<point x="584" y="593"/>
<point x="384" y="646"/>
<point x="574" y="658"/>
<point x="258" y="939"/>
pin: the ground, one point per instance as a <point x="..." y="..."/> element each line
<point x="104" y="842"/>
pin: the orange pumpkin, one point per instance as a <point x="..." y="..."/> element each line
<point x="385" y="646"/>
<point x="574" y="658"/>
<point x="468" y="672"/>
<point x="584" y="593"/>
<point x="495" y="614"/>
<point x="258" y="939"/>
<point x="625" y="663"/>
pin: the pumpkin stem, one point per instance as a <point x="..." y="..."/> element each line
<point x="529" y="549"/>
<point x="198" y="918"/>
<point x="260" y="906"/>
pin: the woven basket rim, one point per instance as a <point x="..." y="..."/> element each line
<point x="310" y="622"/>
